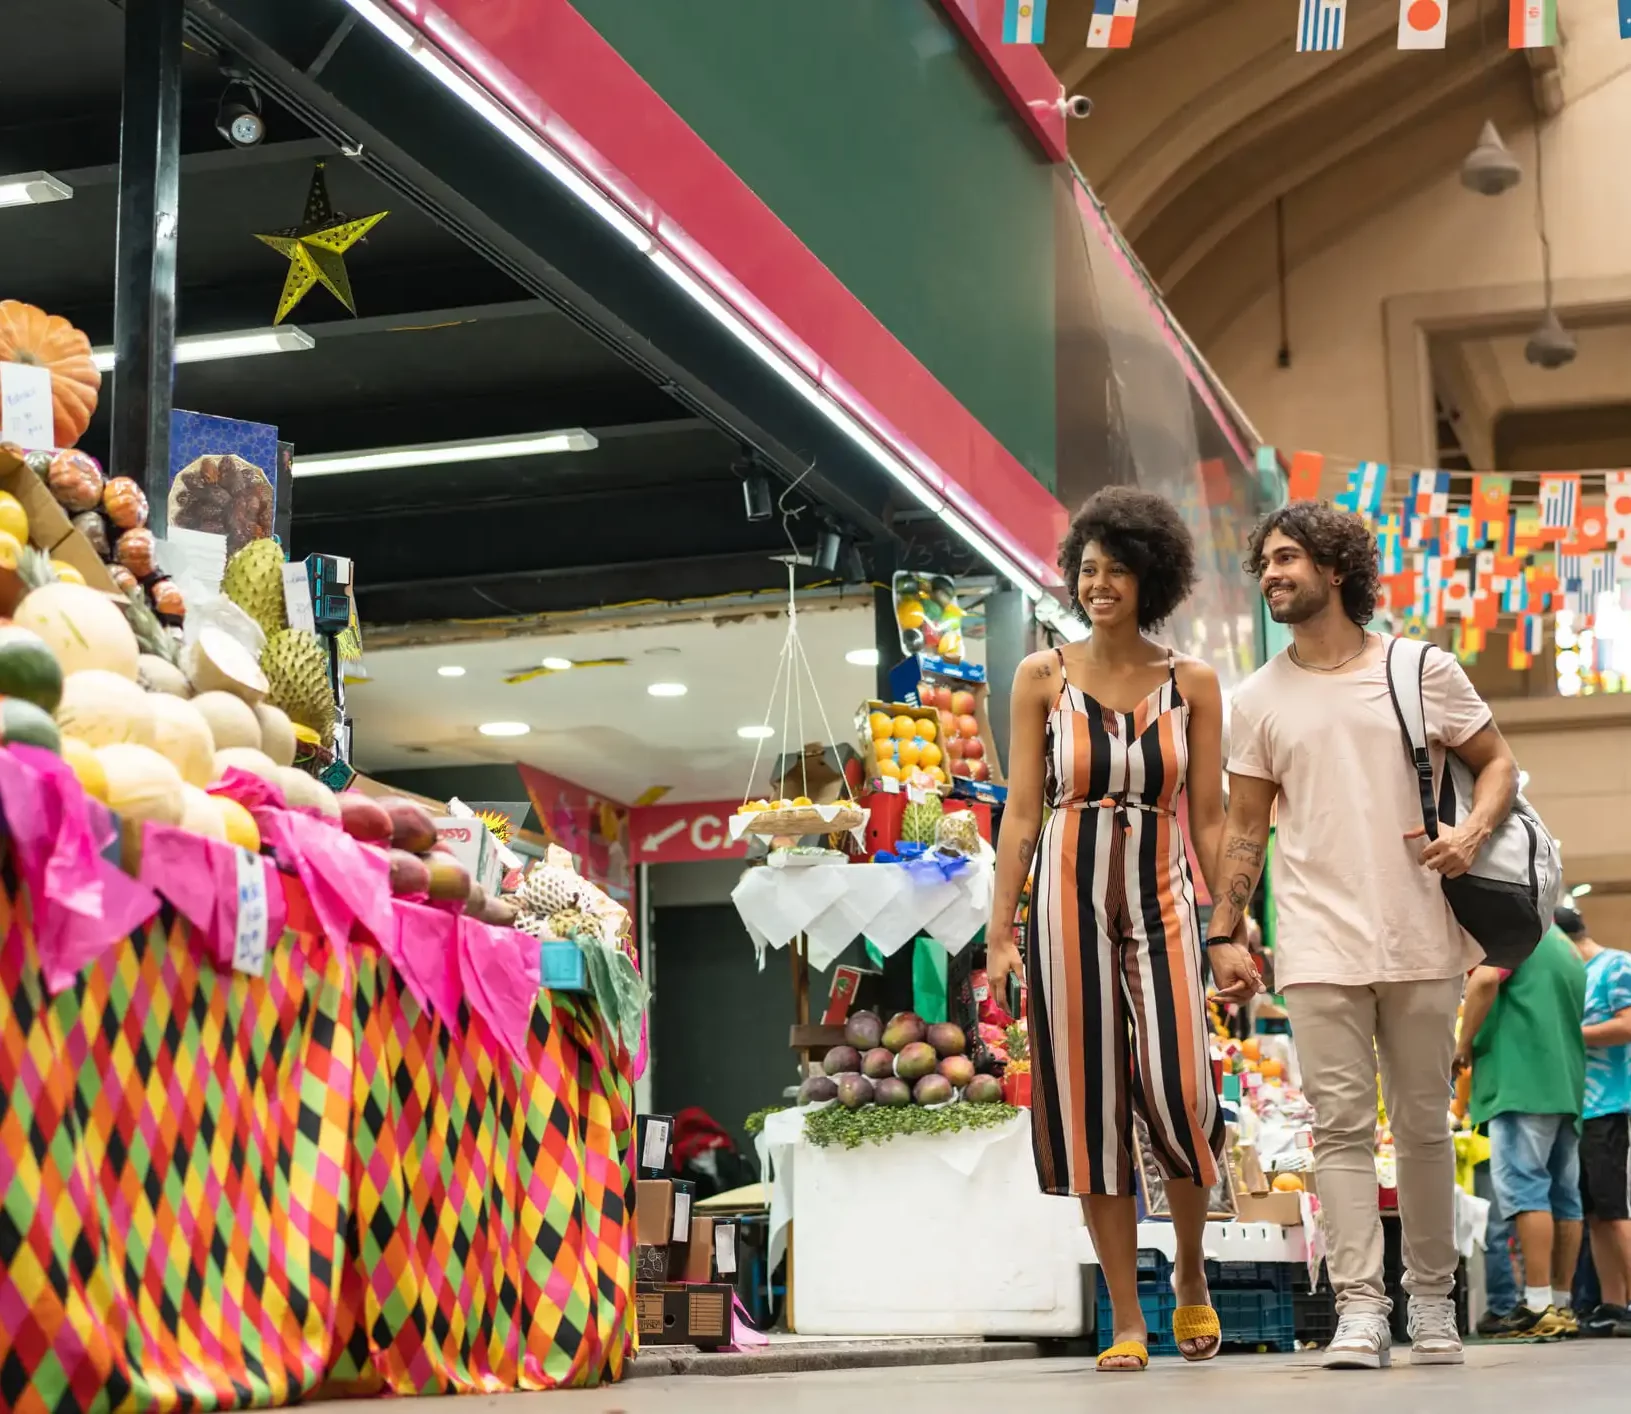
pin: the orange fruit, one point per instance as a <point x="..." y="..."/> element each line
<point x="938" y="774"/>
<point x="929" y="755"/>
<point x="67" y="574"/>
<point x="1287" y="1183"/>
<point x="888" y="768"/>
<point x="1251" y="1048"/>
<point x="911" y="753"/>
<point x="904" y="728"/>
<point x="11" y="550"/>
<point x="1272" y="1069"/>
<point x="926" y="728"/>
<point x="911" y="616"/>
<point x="882" y="725"/>
<point x="13" y="518"/>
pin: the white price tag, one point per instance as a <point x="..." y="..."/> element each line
<point x="249" y="942"/>
<point x="297" y="597"/>
<point x="682" y="1216"/>
<point x="725" y="1249"/>
<point x="656" y="1152"/>
<point x="25" y="406"/>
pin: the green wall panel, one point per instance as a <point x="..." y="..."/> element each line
<point x="874" y="132"/>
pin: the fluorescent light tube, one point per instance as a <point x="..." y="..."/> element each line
<point x="240" y="343"/>
<point x="479" y="449"/>
<point x="33" y="189"/>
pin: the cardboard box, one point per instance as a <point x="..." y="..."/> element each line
<point x="1285" y="1209"/>
<point x="654" y="1211"/>
<point x="817" y="772"/>
<point x="49" y="529"/>
<point x="650" y="1264"/>
<point x="876" y="780"/>
<point x="698" y="1265"/>
<point x="727" y="1263"/>
<point x="474" y="847"/>
<point x="686" y="1315"/>
<point x="654" y="1145"/>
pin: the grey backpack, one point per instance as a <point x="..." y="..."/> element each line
<point x="1506" y="899"/>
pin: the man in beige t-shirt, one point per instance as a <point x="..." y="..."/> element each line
<point x="1368" y="954"/>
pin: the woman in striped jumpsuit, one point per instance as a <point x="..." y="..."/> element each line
<point x="1108" y="733"/>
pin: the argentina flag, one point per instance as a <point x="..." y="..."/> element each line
<point x="1321" y="24"/>
<point x="1024" y="21"/>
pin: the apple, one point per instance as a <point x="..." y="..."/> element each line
<point x="973" y="749"/>
<point x="967" y="726"/>
<point x="954" y="747"/>
<point x="926" y="693"/>
<point x="961" y="702"/>
<point x="980" y="771"/>
<point x="965" y="769"/>
<point x="943" y="698"/>
<point x="948" y="724"/>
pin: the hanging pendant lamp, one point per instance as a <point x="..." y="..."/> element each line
<point x="1490" y="168"/>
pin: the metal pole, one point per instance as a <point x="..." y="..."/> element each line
<point x="144" y="297"/>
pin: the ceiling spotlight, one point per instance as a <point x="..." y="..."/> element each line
<point x="862" y="657"/>
<point x="238" y="115"/>
<point x="829" y="549"/>
<point x="1551" y="345"/>
<point x="667" y="689"/>
<point x="450" y="671"/>
<point x="503" y="729"/>
<point x="756" y="496"/>
<point x="755" y="733"/>
<point x="556" y="665"/>
<point x="1490" y="168"/>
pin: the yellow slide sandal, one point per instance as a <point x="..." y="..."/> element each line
<point x="1191" y="1324"/>
<point x="1125" y="1350"/>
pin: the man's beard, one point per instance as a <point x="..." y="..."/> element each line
<point x="1299" y="606"/>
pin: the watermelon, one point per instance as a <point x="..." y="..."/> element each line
<point x="23" y="723"/>
<point x="29" y="669"/>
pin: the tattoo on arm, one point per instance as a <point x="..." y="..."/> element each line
<point x="1027" y="848"/>
<point x="1246" y="851"/>
<point x="1042" y="671"/>
<point x="1240" y="892"/>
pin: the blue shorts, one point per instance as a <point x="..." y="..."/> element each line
<point x="1534" y="1161"/>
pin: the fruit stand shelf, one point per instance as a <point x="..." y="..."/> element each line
<point x="888" y="904"/>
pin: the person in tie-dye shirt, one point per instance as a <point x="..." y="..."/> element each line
<point x="1605" y="1139"/>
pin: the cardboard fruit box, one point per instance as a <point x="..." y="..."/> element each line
<point x="914" y="678"/>
<point x="876" y="780"/>
<point x="49" y="529"/>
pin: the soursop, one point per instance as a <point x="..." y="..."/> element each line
<point x="254" y="582"/>
<point x="918" y="821"/>
<point x="296" y="666"/>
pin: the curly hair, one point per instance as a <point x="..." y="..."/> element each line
<point x="1144" y="532"/>
<point x="1336" y="540"/>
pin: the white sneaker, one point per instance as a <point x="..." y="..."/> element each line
<point x="1434" y="1340"/>
<point x="1362" y="1342"/>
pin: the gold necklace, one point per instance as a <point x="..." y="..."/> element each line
<point x="1364" y="643"/>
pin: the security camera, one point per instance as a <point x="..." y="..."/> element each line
<point x="1078" y="105"/>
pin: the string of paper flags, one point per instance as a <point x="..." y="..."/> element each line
<point x="1468" y="549"/>
<point x="1322" y="25"/>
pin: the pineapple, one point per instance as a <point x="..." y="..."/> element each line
<point x="958" y="833"/>
<point x="297" y="668"/>
<point x="569" y="922"/>
<point x="254" y="582"/>
<point x="918" y="821"/>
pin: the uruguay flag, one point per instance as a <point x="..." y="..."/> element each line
<point x="1366" y="483"/>
<point x="1320" y="24"/>
<point x="1023" y="21"/>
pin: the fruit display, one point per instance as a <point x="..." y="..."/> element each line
<point x="904" y="745"/>
<point x="928" y="615"/>
<point x="556" y="903"/>
<point x="964" y="728"/>
<point x="29" y="335"/>
<point x="908" y="1062"/>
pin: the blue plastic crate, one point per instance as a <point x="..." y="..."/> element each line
<point x="1257" y="1315"/>
<point x="561" y="967"/>
<point x="1278" y="1276"/>
<point x="1158" y="1304"/>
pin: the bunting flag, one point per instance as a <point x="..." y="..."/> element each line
<point x="1486" y="608"/>
<point x="1366" y="483"/>
<point x="1570" y="569"/>
<point x="1422" y="23"/>
<point x="1617" y="505"/>
<point x="1457" y="594"/>
<point x="1527" y="536"/>
<point x="1320" y="24"/>
<point x="1515" y="597"/>
<point x="1534" y="633"/>
<point x="1492" y="499"/>
<point x="1483" y="568"/>
<point x="1559" y="495"/>
<point x="1590" y="531"/>
<point x="1625" y="19"/>
<point x="1024" y="21"/>
<point x="1389" y="546"/>
<point x="1597" y="578"/>
<point x="1304" y="477"/>
<point x="1532" y="24"/>
<point x="1430" y="493"/>
<point x="1112" y="24"/>
<point x="1462" y="535"/>
<point x="1517" y="657"/>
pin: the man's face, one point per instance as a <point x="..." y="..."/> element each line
<point x="1294" y="587"/>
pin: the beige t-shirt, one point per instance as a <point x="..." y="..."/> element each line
<point x="1354" y="904"/>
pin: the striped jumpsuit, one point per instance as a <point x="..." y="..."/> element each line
<point x="1116" y="1005"/>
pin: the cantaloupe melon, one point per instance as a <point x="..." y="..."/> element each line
<point x="217" y="662"/>
<point x="303" y="790"/>
<point x="82" y="759"/>
<point x="83" y="628"/>
<point x="157" y="674"/>
<point x="142" y="785"/>
<point x="231" y="720"/>
<point x="103" y="708"/>
<point x="200" y="815"/>
<point x="239" y="824"/>
<point x="183" y="737"/>
<point x="277" y="733"/>
<point x="247" y="758"/>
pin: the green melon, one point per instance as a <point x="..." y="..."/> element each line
<point x="29" y="669"/>
<point x="24" y="724"/>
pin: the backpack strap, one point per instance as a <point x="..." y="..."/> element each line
<point x="1406" y="664"/>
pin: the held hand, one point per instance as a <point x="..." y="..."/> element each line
<point x="1001" y="959"/>
<point x="1453" y="852"/>
<point x="1234" y="975"/>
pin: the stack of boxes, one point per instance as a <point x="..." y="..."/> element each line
<point x="685" y="1265"/>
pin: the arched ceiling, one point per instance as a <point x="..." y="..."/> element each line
<point x="1212" y="116"/>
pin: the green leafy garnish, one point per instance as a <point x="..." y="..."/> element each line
<point x="878" y="1124"/>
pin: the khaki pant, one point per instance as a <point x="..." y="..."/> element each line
<point x="1340" y="1033"/>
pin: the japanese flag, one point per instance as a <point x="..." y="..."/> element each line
<point x="1422" y="23"/>
<point x="1458" y="594"/>
<point x="1617" y="506"/>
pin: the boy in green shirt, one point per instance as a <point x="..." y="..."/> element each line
<point x="1520" y="1033"/>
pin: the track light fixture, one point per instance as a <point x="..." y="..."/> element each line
<point x="238" y="115"/>
<point x="829" y="549"/>
<point x="756" y="499"/>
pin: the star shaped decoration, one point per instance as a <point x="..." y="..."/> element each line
<point x="315" y="249"/>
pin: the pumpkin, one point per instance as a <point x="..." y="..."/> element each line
<point x="123" y="579"/>
<point x="76" y="481"/>
<point x="125" y="502"/>
<point x="30" y="335"/>
<point x="137" y="551"/>
<point x="167" y="600"/>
